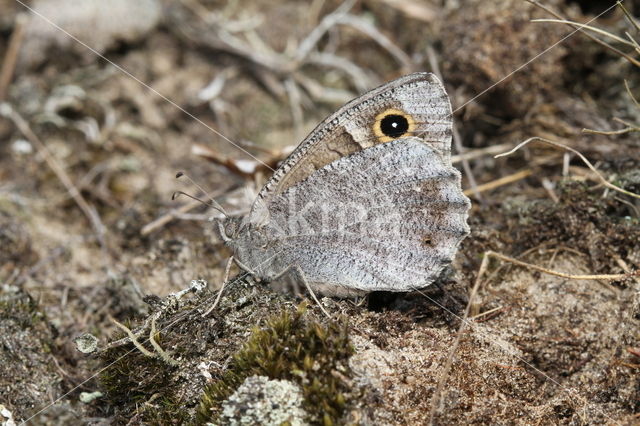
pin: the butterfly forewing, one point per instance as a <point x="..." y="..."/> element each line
<point x="361" y="124"/>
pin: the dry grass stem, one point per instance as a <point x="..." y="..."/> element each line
<point x="160" y="353"/>
<point x="472" y="154"/>
<point x="633" y="98"/>
<point x="606" y="277"/>
<point x="457" y="140"/>
<point x="415" y="9"/>
<point x="444" y="375"/>
<point x="225" y="279"/>
<point x="515" y="177"/>
<point x="578" y="27"/>
<point x="604" y="181"/>
<point x="628" y="16"/>
<point x="587" y="27"/>
<point x="132" y="337"/>
<point x="92" y="215"/>
<point x="612" y="132"/>
<point x="11" y="55"/>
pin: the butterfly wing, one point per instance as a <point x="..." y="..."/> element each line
<point x="389" y="217"/>
<point x="417" y="102"/>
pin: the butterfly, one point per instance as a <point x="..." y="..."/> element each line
<point x="369" y="201"/>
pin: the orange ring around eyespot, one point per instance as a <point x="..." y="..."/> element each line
<point x="392" y="111"/>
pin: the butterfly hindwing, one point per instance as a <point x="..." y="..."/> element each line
<point x="388" y="218"/>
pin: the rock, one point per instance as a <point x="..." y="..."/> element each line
<point x="86" y="343"/>
<point x="96" y="23"/>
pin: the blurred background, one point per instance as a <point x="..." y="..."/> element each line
<point x="103" y="102"/>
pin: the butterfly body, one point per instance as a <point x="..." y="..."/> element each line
<point x="369" y="200"/>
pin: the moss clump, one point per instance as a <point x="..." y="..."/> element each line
<point x="27" y="367"/>
<point x="140" y="385"/>
<point x="292" y="347"/>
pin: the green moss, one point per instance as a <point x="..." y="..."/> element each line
<point x="293" y="347"/>
<point x="22" y="309"/>
<point x="138" y="384"/>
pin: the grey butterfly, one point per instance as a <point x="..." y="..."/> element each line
<point x="369" y="201"/>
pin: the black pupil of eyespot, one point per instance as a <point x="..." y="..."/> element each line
<point x="394" y="125"/>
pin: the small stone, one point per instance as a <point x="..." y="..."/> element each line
<point x="87" y="343"/>
<point x="87" y="397"/>
<point x="7" y="416"/>
<point x="22" y="147"/>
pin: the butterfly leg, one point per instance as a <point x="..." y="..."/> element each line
<point x="224" y="283"/>
<point x="298" y="271"/>
<point x="244" y="267"/>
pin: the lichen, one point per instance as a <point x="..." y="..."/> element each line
<point x="293" y="347"/>
<point x="265" y="402"/>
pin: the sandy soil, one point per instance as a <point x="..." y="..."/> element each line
<point x="538" y="348"/>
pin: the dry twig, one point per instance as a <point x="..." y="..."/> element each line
<point x="580" y="27"/>
<point x="522" y="174"/>
<point x="444" y="375"/>
<point x="594" y="277"/>
<point x="435" y="67"/>
<point x="7" y="111"/>
<point x="472" y="154"/>
<point x="11" y="55"/>
<point x="414" y="9"/>
<point x="604" y="181"/>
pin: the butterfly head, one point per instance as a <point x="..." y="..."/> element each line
<point x="237" y="232"/>
<point x="229" y="229"/>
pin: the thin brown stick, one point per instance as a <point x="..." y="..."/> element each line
<point x="457" y="140"/>
<point x="133" y="338"/>
<point x="94" y="219"/>
<point x="501" y="182"/>
<point x="11" y="55"/>
<point x="383" y="41"/>
<point x="607" y="277"/>
<point x="612" y="132"/>
<point x="596" y="39"/>
<point x="587" y="27"/>
<point x="472" y="154"/>
<point x="628" y="15"/>
<point x="582" y="157"/>
<point x="444" y="375"/>
<point x="485" y="313"/>
<point x="625" y="122"/>
<point x="633" y="98"/>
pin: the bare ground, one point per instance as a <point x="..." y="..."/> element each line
<point x="541" y="349"/>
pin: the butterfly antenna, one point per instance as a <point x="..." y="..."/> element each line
<point x="178" y="193"/>
<point x="213" y="203"/>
